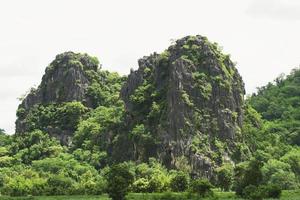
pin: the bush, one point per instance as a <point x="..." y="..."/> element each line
<point x="159" y="182"/>
<point x="179" y="182"/>
<point x="263" y="191"/>
<point x="90" y="187"/>
<point x="17" y="186"/>
<point x="286" y="180"/>
<point x="225" y="177"/>
<point x="39" y="186"/>
<point x="22" y="183"/>
<point x="141" y="185"/>
<point x="202" y="187"/>
<point x="252" y="192"/>
<point x="59" y="185"/>
<point x="272" y="191"/>
<point x="247" y="174"/>
<point x="6" y="161"/>
<point x="119" y="180"/>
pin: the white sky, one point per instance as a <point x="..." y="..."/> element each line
<point x="262" y="36"/>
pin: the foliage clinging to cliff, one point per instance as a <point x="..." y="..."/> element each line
<point x="181" y="115"/>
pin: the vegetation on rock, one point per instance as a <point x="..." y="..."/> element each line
<point x="179" y="123"/>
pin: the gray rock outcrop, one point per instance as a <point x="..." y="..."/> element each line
<point x="200" y="97"/>
<point x="65" y="80"/>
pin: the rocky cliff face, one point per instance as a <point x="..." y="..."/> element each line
<point x="66" y="79"/>
<point x="189" y="101"/>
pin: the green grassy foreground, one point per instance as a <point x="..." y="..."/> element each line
<point x="79" y="197"/>
<point x="286" y="195"/>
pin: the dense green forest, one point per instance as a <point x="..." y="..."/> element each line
<point x="178" y="124"/>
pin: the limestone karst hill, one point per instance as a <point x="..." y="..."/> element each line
<point x="183" y="106"/>
<point x="189" y="102"/>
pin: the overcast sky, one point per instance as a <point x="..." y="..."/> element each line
<point x="262" y="36"/>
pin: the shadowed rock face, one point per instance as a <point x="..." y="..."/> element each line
<point x="65" y="80"/>
<point x="199" y="95"/>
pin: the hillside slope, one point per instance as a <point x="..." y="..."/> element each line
<point x="279" y="105"/>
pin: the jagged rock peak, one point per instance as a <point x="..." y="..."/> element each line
<point x="189" y="99"/>
<point x="66" y="79"/>
<point x="70" y="59"/>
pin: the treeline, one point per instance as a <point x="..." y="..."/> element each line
<point x="42" y="166"/>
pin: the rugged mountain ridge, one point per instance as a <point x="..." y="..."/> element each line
<point x="183" y="107"/>
<point x="73" y="84"/>
<point x="189" y="99"/>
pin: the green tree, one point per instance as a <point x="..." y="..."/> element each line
<point x="143" y="142"/>
<point x="225" y="177"/>
<point x="34" y="145"/>
<point x="159" y="179"/>
<point x="252" y="192"/>
<point x="70" y="114"/>
<point x="286" y="180"/>
<point x="201" y="187"/>
<point x="273" y="166"/>
<point x="90" y="183"/>
<point x="59" y="184"/>
<point x="141" y="185"/>
<point x="278" y="102"/>
<point x="119" y="179"/>
<point x="92" y="131"/>
<point x="279" y="173"/>
<point x="246" y="174"/>
<point x="293" y="159"/>
<point x="179" y="182"/>
<point x="4" y="138"/>
<point x="6" y="161"/>
<point x="261" y="192"/>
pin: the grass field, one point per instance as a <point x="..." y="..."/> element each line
<point x="286" y="195"/>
